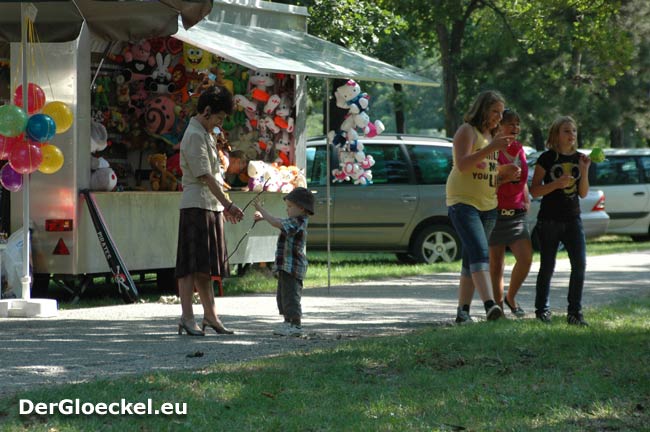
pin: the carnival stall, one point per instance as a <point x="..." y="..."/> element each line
<point x="131" y="100"/>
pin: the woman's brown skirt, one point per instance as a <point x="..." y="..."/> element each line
<point x="201" y="243"/>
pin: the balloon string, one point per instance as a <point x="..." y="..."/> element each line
<point x="47" y="69"/>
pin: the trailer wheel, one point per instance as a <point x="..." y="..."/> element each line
<point x="41" y="285"/>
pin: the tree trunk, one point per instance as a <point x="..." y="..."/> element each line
<point x="538" y="138"/>
<point x="616" y="137"/>
<point x="449" y="81"/>
<point x="400" y="126"/>
<point x="337" y="115"/>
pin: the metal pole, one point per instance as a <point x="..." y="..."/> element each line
<point x="327" y="180"/>
<point x="26" y="279"/>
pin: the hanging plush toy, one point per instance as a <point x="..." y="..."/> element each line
<point x="354" y="163"/>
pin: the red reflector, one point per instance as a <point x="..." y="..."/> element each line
<point x="54" y="225"/>
<point x="61" y="248"/>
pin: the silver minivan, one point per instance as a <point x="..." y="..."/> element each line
<point x="402" y="211"/>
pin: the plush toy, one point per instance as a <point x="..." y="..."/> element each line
<point x="354" y="164"/>
<point x="350" y="97"/>
<point x="138" y="62"/>
<point x="282" y="115"/>
<point x="258" y="173"/>
<point x="283" y="147"/>
<point x="98" y="137"/>
<point x="103" y="179"/>
<point x="260" y="82"/>
<point x="160" y="178"/>
<point x="160" y="80"/>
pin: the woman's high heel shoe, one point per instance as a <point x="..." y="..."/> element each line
<point x="190" y="328"/>
<point x="216" y="326"/>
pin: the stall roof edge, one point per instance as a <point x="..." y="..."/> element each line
<point x="292" y="52"/>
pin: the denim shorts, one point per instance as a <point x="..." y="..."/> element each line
<point x="474" y="228"/>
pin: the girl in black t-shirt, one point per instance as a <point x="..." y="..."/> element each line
<point x="560" y="178"/>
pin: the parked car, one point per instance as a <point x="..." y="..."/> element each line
<point x="403" y="210"/>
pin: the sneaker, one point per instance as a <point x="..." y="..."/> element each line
<point x="516" y="310"/>
<point x="544" y="317"/>
<point x="289" y="330"/>
<point x="462" y="317"/>
<point x="281" y="329"/>
<point x="576" y="319"/>
<point x="494" y="313"/>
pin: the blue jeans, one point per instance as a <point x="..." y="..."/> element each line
<point x="473" y="227"/>
<point x="571" y="234"/>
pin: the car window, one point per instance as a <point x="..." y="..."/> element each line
<point x="316" y="166"/>
<point x="391" y="165"/>
<point x="615" y="171"/>
<point x="645" y="166"/>
<point x="431" y="164"/>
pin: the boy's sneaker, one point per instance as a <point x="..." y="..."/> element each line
<point x="462" y="317"/>
<point x="289" y="330"/>
<point x="281" y="329"/>
<point x="544" y="317"/>
<point x="576" y="319"/>
<point x="494" y="313"/>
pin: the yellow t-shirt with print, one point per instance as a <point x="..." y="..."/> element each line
<point x="476" y="186"/>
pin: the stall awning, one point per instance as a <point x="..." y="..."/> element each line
<point x="60" y="20"/>
<point x="293" y="52"/>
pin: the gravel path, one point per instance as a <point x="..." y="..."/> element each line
<point x="83" y="344"/>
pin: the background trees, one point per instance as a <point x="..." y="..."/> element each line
<point x="587" y="58"/>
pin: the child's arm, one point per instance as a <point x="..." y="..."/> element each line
<point x="583" y="165"/>
<point x="263" y="214"/>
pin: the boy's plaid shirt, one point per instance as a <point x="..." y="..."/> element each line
<point x="291" y="251"/>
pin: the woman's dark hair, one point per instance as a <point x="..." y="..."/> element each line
<point x="218" y="98"/>
<point x="509" y="115"/>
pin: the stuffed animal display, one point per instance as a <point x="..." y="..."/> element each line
<point x="148" y="92"/>
<point x="161" y="179"/>
<point x="354" y="163"/>
<point x="272" y="177"/>
<point x="268" y="107"/>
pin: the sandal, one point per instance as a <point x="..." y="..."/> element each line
<point x="516" y="310"/>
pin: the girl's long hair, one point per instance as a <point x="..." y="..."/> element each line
<point x="553" y="140"/>
<point x="478" y="113"/>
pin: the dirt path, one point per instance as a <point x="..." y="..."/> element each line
<point x="84" y="344"/>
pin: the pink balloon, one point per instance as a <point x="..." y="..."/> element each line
<point x="35" y="98"/>
<point x="8" y="143"/>
<point x="25" y="159"/>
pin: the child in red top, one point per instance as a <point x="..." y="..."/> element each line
<point x="511" y="228"/>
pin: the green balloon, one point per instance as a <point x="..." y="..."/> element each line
<point x="597" y="155"/>
<point x="12" y="120"/>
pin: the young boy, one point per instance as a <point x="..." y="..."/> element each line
<point x="290" y="256"/>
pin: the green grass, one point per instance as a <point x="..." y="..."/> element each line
<point x="509" y="375"/>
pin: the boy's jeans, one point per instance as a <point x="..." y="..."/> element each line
<point x="473" y="227"/>
<point x="571" y="234"/>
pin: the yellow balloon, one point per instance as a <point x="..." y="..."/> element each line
<point x="52" y="159"/>
<point x="60" y="113"/>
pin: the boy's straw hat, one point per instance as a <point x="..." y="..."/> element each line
<point x="302" y="198"/>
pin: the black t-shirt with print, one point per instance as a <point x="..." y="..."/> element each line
<point x="561" y="204"/>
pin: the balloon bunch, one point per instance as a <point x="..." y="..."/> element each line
<point x="24" y="137"/>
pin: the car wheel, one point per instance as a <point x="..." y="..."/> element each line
<point x="436" y="243"/>
<point x="405" y="258"/>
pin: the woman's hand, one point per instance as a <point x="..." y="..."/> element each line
<point x="233" y="214"/>
<point x="509" y="173"/>
<point x="500" y="141"/>
<point x="564" y="182"/>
